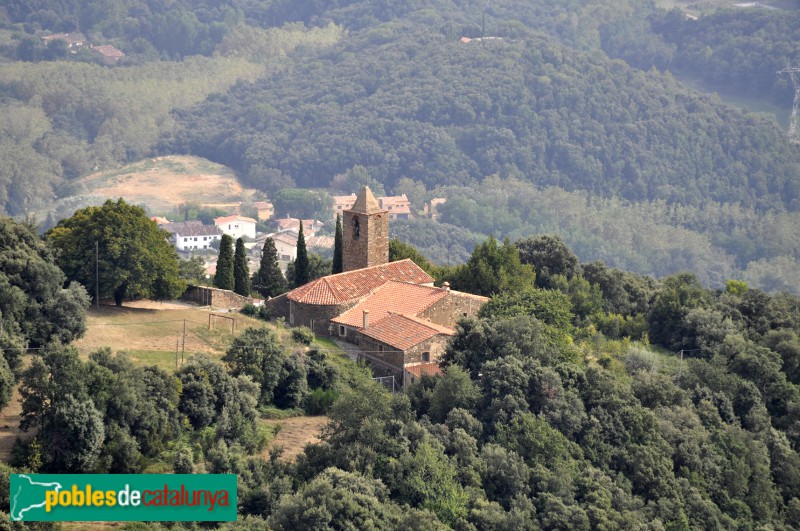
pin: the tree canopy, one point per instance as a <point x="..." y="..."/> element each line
<point x="121" y="247"/>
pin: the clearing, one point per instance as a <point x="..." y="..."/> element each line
<point x="163" y="183"/>
<point x="295" y="433"/>
<point x="151" y="331"/>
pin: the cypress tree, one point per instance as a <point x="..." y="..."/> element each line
<point x="223" y="278"/>
<point x="269" y="280"/>
<point x="338" y="250"/>
<point x="241" y="273"/>
<point x="301" y="265"/>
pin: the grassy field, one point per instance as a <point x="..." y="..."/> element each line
<point x="151" y="335"/>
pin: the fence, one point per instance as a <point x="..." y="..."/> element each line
<point x="389" y="382"/>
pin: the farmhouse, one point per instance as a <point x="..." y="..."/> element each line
<point x="391" y="310"/>
<point x="192" y="235"/>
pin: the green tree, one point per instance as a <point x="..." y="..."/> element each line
<point x="34" y="306"/>
<point x="338" y="247"/>
<point x="453" y="390"/>
<point x="224" y="278"/>
<point x="134" y="259"/>
<point x="241" y="273"/>
<point x="269" y="280"/>
<point x="301" y="265"/>
<point x="193" y="270"/>
<point x="549" y="256"/>
<point x="494" y="269"/>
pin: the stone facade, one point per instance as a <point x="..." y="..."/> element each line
<point x="365" y="228"/>
<point x="452" y="308"/>
<point x="317" y="316"/>
<point x="278" y="307"/>
<point x="385" y="360"/>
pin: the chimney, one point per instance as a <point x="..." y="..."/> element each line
<point x="446" y="286"/>
<point x="366" y="319"/>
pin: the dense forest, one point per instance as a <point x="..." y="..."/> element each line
<point x="583" y="397"/>
<point x="568" y="103"/>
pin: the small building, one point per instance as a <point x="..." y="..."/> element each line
<point x="431" y="209"/>
<point x="265" y="210"/>
<point x="192" y="235"/>
<point x="286" y="245"/>
<point x="342" y="203"/>
<point x="310" y="226"/>
<point x="237" y="226"/>
<point x="109" y="53"/>
<point x="72" y="40"/>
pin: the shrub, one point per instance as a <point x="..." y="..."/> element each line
<point x="303" y="335"/>
<point x="320" y="401"/>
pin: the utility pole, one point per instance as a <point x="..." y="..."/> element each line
<point x="97" y="274"/>
<point x="680" y="367"/>
<point x="183" y="350"/>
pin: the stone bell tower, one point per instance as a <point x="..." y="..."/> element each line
<point x="365" y="229"/>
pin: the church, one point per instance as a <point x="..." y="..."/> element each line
<point x="400" y="321"/>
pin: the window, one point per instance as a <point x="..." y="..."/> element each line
<point x="380" y="348"/>
<point x="342" y="331"/>
<point x="186" y="239"/>
<point x="205" y="238"/>
<point x="426" y="356"/>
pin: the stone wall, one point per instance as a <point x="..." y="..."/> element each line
<point x="215" y="297"/>
<point x="316" y="316"/>
<point x="450" y="309"/>
<point x="385" y="360"/>
<point x="278" y="306"/>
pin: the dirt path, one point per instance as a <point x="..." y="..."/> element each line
<point x="295" y="434"/>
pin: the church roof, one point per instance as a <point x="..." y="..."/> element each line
<point x="366" y="202"/>
<point x="392" y="297"/>
<point x="404" y="331"/>
<point x="352" y="285"/>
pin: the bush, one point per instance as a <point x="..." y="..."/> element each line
<point x="183" y="463"/>
<point x="251" y="310"/>
<point x="320" y="401"/>
<point x="303" y="335"/>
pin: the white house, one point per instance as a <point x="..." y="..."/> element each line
<point x="237" y="226"/>
<point x="286" y="244"/>
<point x="192" y="235"/>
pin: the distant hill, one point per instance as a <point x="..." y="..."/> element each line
<point x="162" y="183"/>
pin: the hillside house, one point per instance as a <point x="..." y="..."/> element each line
<point x="342" y="203"/>
<point x="265" y="210"/>
<point x="391" y="310"/>
<point x="109" y="53"/>
<point x="398" y="206"/>
<point x="310" y="226"/>
<point x="192" y="235"/>
<point x="74" y="41"/>
<point x="237" y="226"/>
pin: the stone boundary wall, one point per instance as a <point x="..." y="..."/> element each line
<point x="215" y="297"/>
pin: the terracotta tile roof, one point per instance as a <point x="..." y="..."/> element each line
<point x="431" y="369"/>
<point x="394" y="297"/>
<point x="402" y="331"/>
<point x="393" y="200"/>
<point x="109" y="51"/>
<point x="235" y="217"/>
<point x="352" y="285"/>
<point x="309" y="225"/>
<point x="325" y="242"/>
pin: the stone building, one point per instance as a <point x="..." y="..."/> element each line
<point x="365" y="228"/>
<point x="391" y="310"/>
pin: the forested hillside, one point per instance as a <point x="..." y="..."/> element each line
<point x="304" y="93"/>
